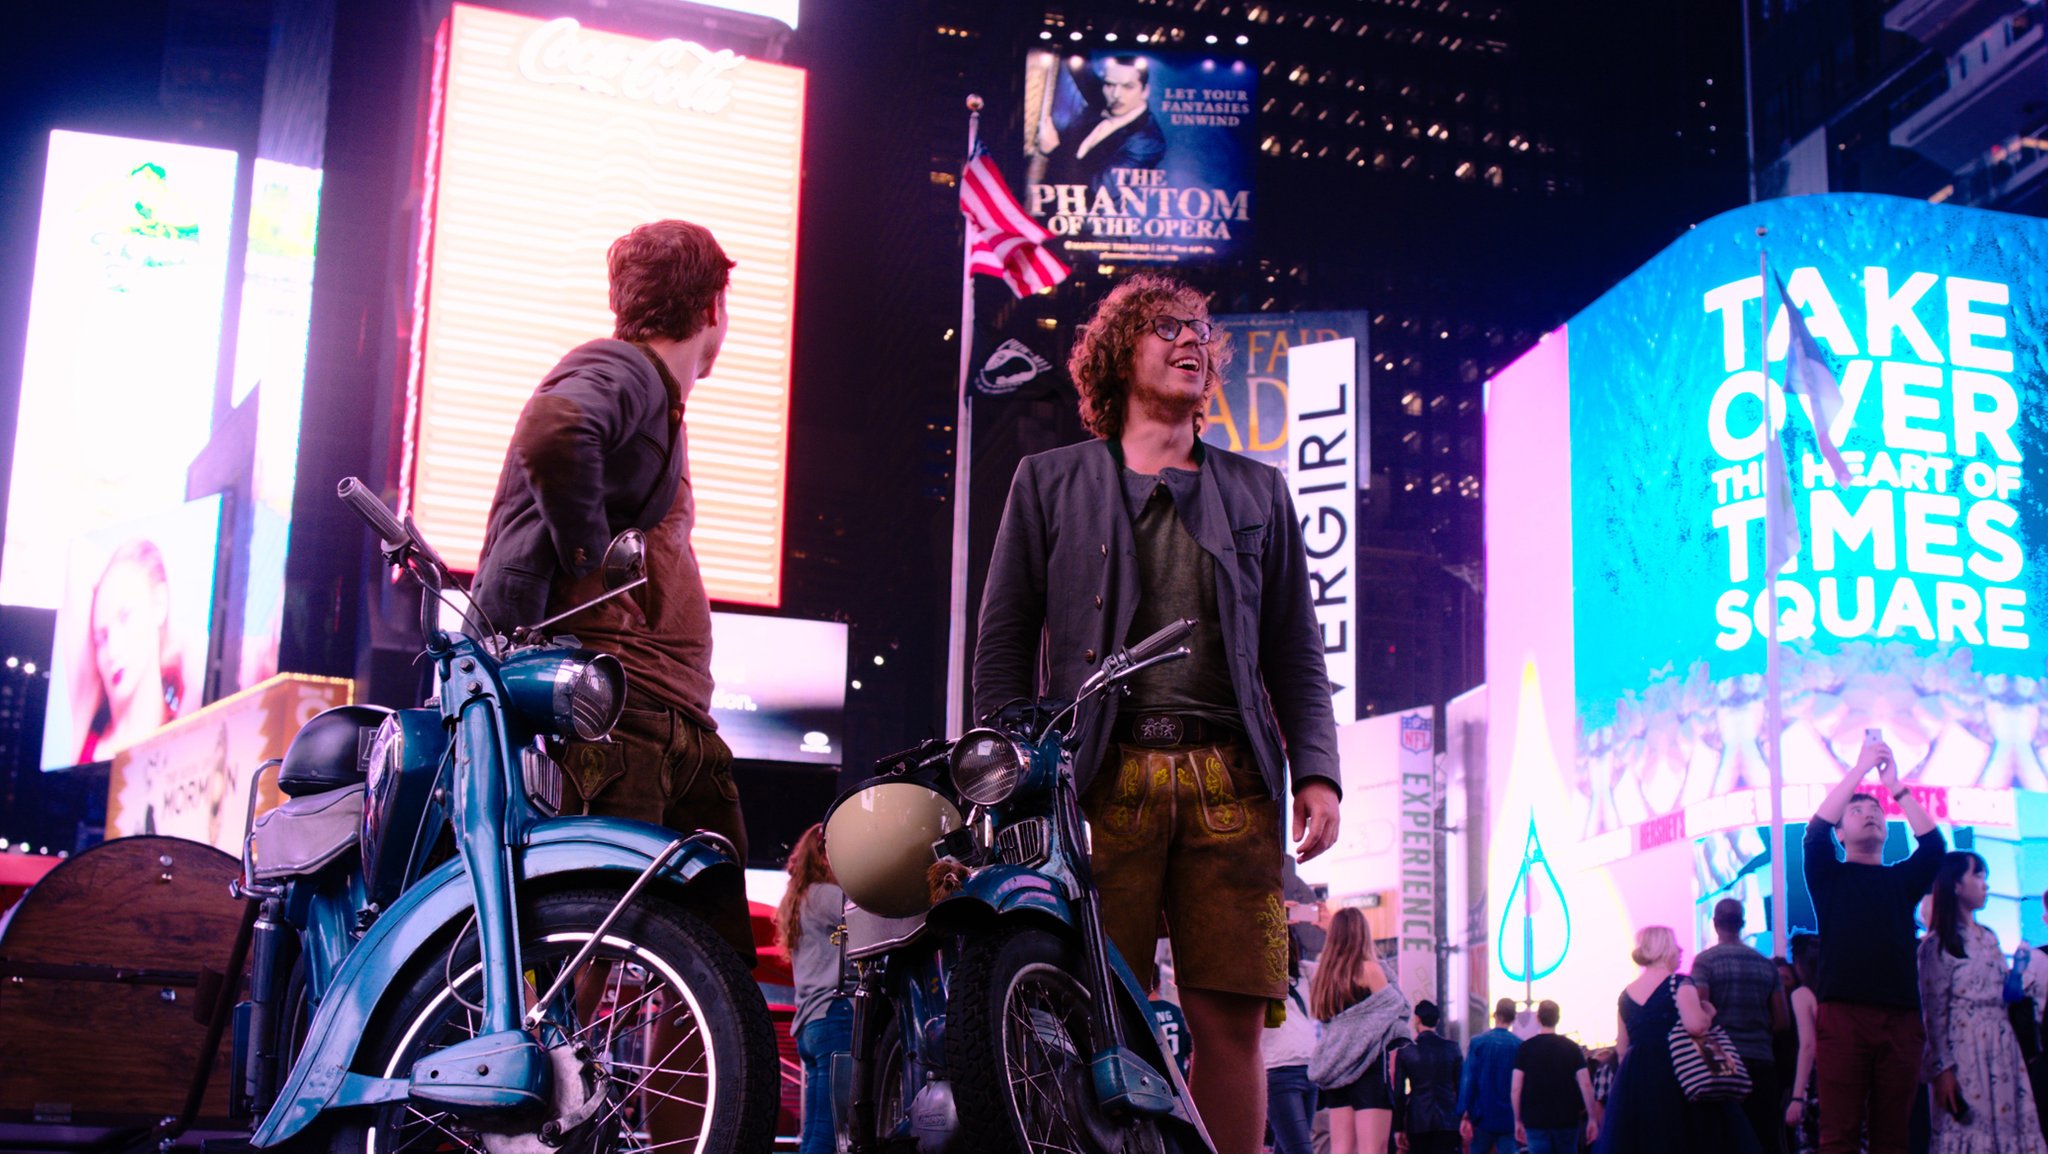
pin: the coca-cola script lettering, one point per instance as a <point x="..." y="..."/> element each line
<point x="668" y="73"/>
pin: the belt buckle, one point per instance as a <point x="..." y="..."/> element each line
<point x="1158" y="729"/>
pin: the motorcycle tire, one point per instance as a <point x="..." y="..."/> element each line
<point x="890" y="1089"/>
<point x="1019" y="1037"/>
<point x="656" y="960"/>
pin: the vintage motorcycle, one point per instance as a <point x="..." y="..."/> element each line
<point x="440" y="962"/>
<point x="991" y="1012"/>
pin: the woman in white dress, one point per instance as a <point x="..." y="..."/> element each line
<point x="1982" y="1101"/>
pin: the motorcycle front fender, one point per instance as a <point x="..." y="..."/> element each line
<point x="607" y="850"/>
<point x="1001" y="891"/>
<point x="998" y="892"/>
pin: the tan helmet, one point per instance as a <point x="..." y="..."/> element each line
<point x="880" y="841"/>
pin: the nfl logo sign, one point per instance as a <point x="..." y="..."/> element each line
<point x="1417" y="734"/>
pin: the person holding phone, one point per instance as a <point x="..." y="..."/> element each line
<point x="1868" y="1028"/>
<point x="1982" y="1100"/>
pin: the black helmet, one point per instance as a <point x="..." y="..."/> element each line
<point x="327" y="753"/>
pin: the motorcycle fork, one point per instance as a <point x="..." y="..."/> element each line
<point x="481" y="798"/>
<point x="1102" y="983"/>
<point x="871" y="1006"/>
<point x="502" y="1067"/>
<point x="1126" y="1084"/>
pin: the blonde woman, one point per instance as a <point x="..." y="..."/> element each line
<point x="1646" y="1111"/>
<point x="133" y="680"/>
<point x="807" y="926"/>
<point x="1365" y="1016"/>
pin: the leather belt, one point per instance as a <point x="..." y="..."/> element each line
<point x="1159" y="730"/>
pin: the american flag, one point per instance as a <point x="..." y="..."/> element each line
<point x="1002" y="238"/>
<point x="1806" y="373"/>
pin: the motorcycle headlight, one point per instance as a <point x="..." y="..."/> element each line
<point x="988" y="767"/>
<point x="571" y="693"/>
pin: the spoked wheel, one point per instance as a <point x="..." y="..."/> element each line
<point x="891" y="1085"/>
<point x="663" y="1042"/>
<point x="1023" y="1031"/>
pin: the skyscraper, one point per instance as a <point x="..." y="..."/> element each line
<point x="1945" y="100"/>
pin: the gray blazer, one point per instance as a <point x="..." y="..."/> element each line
<point x="1063" y="586"/>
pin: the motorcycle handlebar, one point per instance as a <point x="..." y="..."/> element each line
<point x="910" y="759"/>
<point x="374" y="513"/>
<point x="1173" y="634"/>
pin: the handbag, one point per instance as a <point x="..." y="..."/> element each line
<point x="2019" y="1006"/>
<point x="1708" y="1068"/>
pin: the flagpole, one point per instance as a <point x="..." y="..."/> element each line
<point x="1773" y="706"/>
<point x="963" y="445"/>
<point x="1749" y="121"/>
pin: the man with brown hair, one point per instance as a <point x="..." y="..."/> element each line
<point x="1101" y="544"/>
<point x="1868" y="1030"/>
<point x="600" y="448"/>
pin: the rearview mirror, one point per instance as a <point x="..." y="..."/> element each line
<point x="625" y="560"/>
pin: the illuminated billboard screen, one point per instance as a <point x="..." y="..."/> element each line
<point x="549" y="141"/>
<point x="781" y="687"/>
<point x="132" y="633"/>
<point x="1625" y="657"/>
<point x="270" y="368"/>
<point x="123" y="346"/>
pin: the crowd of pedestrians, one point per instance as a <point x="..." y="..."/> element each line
<point x="1900" y="1026"/>
<point x="1897" y="1033"/>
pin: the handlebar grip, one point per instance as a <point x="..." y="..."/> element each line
<point x="1171" y="635"/>
<point x="373" y="512"/>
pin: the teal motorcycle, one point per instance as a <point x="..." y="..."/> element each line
<point x="991" y="1012"/>
<point x="440" y="961"/>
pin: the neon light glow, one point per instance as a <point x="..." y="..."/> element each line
<point x="1527" y="899"/>
<point x="1625" y="547"/>
<point x="134" y="241"/>
<point x="551" y="140"/>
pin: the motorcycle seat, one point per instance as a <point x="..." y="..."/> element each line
<point x="306" y="834"/>
<point x="869" y="934"/>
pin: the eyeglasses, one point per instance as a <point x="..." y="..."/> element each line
<point x="1169" y="328"/>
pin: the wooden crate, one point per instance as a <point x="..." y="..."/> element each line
<point x="99" y="972"/>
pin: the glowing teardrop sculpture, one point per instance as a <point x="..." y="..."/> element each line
<point x="1546" y="934"/>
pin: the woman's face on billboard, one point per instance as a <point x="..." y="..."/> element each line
<point x="129" y="611"/>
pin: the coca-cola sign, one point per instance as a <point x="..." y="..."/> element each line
<point x="666" y="73"/>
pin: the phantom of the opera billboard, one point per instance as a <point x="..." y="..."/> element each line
<point x="1625" y="639"/>
<point x="1140" y="157"/>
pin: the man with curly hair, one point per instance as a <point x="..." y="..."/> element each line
<point x="600" y="448"/>
<point x="1101" y="544"/>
